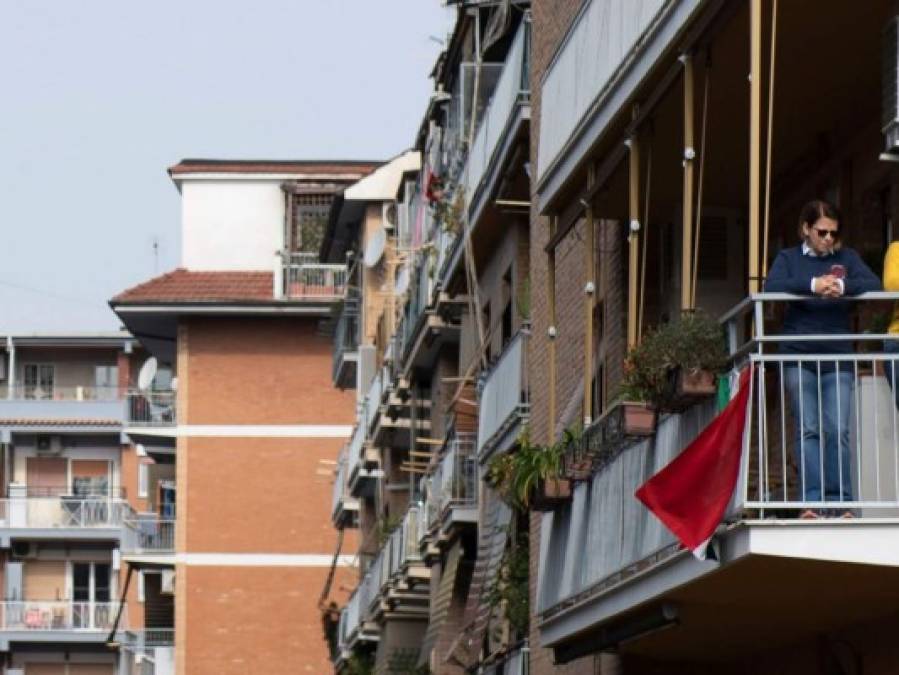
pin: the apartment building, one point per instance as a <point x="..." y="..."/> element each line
<point x="441" y="370"/>
<point x="664" y="181"/>
<point x="72" y="482"/>
<point x="241" y="335"/>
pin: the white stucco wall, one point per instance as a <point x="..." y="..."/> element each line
<point x="231" y="224"/>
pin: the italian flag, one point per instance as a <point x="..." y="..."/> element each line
<point x="691" y="494"/>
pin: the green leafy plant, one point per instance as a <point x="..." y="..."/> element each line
<point x="448" y="208"/>
<point x="691" y="343"/>
<point x="360" y="664"/>
<point x="508" y="590"/>
<point x="385" y="527"/>
<point x="516" y="475"/>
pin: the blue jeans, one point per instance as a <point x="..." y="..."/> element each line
<point x="822" y="404"/>
<point x="889" y="367"/>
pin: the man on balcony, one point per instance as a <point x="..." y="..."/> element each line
<point x="820" y="388"/>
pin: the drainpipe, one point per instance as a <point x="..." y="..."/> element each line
<point x="11" y="367"/>
<point x="278" y="276"/>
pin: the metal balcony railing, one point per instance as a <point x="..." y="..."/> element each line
<point x="305" y="278"/>
<point x="346" y="334"/>
<point x="454" y="481"/>
<point x="61" y="615"/>
<point x="782" y="470"/>
<point x="66" y="511"/>
<point x="355" y="449"/>
<point x="143" y="536"/>
<point x="512" y="89"/>
<point x="341" y="499"/>
<point x="139" y="640"/>
<point x="402" y="545"/>
<point x="151" y="408"/>
<point x="419" y="300"/>
<point x="848" y="466"/>
<point x="30" y="392"/>
<point x="505" y="391"/>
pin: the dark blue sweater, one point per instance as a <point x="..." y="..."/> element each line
<point x="792" y="272"/>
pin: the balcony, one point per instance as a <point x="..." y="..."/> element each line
<point x="149" y="539"/>
<point x="638" y="575"/>
<point x="396" y="584"/>
<point x="345" y="355"/>
<point x="57" y="621"/>
<point x="503" y="403"/>
<point x="305" y="278"/>
<point x="363" y="463"/>
<point x="149" y="651"/>
<point x="424" y="329"/>
<point x="502" y="122"/>
<point x="344" y="507"/>
<point x="148" y="409"/>
<point x="60" y="517"/>
<point x="29" y="402"/>
<point x="452" y="498"/>
<point x="354" y="628"/>
<point x="607" y="52"/>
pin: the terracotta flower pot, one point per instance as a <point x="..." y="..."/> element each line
<point x="638" y="419"/>
<point x="550" y="494"/>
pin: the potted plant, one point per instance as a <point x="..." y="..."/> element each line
<point x="673" y="367"/>
<point x="695" y="345"/>
<point x="531" y="476"/>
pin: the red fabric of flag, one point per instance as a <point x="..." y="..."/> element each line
<point x="692" y="492"/>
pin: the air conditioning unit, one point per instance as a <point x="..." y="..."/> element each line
<point x="24" y="550"/>
<point x="889" y="120"/>
<point x="49" y="444"/>
<point x="167" y="583"/>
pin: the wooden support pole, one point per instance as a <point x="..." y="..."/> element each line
<point x="686" y="284"/>
<point x="552" y="333"/>
<point x="633" y="271"/>
<point x="770" y="139"/>
<point x="589" y="300"/>
<point x="755" y="134"/>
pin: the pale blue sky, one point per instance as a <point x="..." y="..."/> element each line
<point x="100" y="96"/>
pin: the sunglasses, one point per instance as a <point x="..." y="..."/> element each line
<point x="833" y="234"/>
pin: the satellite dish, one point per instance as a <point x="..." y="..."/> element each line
<point x="141" y="450"/>
<point x="402" y="280"/>
<point x="375" y="248"/>
<point x="146" y="374"/>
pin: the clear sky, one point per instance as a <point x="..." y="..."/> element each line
<point x="100" y="96"/>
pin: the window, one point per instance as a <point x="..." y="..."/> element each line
<point x="90" y="478"/>
<point x="143" y="480"/>
<point x="39" y="380"/>
<point x="310" y="219"/>
<point x="106" y="382"/>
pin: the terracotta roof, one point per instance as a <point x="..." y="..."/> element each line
<point x="181" y="285"/>
<point x="359" y="167"/>
<point x="56" y="422"/>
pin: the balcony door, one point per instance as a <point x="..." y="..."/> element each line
<point x="92" y="594"/>
<point x="39" y="380"/>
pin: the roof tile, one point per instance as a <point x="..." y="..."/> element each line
<point x="181" y="285"/>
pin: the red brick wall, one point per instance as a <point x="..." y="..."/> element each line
<point x="551" y="19"/>
<point x="263" y="371"/>
<point x="256" y="495"/>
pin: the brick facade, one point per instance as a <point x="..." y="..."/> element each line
<point x="551" y="20"/>
<point x="255" y="495"/>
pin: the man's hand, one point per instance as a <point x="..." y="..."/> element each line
<point x="828" y="286"/>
